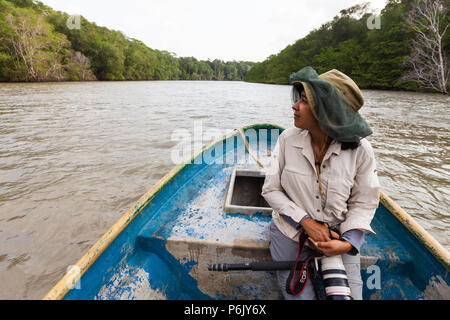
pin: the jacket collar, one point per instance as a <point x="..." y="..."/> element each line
<point x="303" y="140"/>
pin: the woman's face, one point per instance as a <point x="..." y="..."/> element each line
<point x="303" y="117"/>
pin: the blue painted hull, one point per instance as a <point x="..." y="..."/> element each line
<point x="164" y="251"/>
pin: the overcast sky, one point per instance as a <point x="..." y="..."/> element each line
<point x="248" y="30"/>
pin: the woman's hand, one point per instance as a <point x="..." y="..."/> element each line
<point x="319" y="235"/>
<point x="332" y="247"/>
<point x="316" y="231"/>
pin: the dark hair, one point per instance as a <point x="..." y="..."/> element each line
<point x="350" y="145"/>
<point x="296" y="93"/>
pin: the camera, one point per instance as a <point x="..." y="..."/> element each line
<point x="334" y="278"/>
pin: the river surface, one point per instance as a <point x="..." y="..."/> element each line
<point x="75" y="156"/>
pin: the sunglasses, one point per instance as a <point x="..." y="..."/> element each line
<point x="298" y="93"/>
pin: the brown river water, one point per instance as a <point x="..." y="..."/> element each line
<point x="75" y="156"/>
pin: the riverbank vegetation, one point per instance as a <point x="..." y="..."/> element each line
<point x="406" y="47"/>
<point x="375" y="51"/>
<point x="38" y="43"/>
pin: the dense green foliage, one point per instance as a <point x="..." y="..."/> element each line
<point x="31" y="50"/>
<point x="37" y="44"/>
<point x="49" y="50"/>
<point x="372" y="57"/>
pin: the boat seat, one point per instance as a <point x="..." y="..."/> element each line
<point x="189" y="259"/>
<point x="257" y="251"/>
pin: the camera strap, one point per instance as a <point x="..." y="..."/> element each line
<point x="303" y="271"/>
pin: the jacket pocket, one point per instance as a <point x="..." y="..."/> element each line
<point x="338" y="193"/>
<point x="299" y="170"/>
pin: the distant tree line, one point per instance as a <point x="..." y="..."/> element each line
<point x="377" y="58"/>
<point x="37" y="44"/>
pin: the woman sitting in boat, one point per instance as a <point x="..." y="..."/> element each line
<point x="322" y="176"/>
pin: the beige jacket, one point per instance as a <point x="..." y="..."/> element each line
<point x="349" y="179"/>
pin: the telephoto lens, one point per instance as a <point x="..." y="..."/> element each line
<point x="334" y="278"/>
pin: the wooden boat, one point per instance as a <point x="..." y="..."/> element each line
<point x="161" y="247"/>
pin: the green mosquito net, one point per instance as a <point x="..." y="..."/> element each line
<point x="334" y="100"/>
